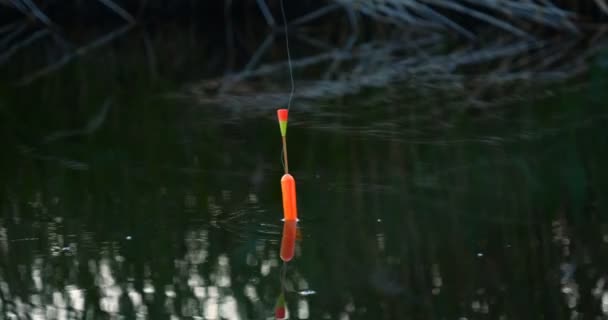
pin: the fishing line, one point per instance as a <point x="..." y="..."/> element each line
<point x="284" y="160"/>
<point x="293" y="86"/>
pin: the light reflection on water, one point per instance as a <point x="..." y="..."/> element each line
<point x="63" y="273"/>
<point x="68" y="274"/>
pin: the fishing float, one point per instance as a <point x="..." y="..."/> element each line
<point x="288" y="190"/>
<point x="288" y="183"/>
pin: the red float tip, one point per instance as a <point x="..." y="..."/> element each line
<point x="282" y="114"/>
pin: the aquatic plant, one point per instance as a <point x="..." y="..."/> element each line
<point x="432" y="45"/>
<point x="32" y="26"/>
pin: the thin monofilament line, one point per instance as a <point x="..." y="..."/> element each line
<point x="293" y="87"/>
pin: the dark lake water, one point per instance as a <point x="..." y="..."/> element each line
<point x="126" y="196"/>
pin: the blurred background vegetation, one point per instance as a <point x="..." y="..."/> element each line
<point x="449" y="157"/>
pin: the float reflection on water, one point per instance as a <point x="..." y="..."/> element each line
<point x="291" y="234"/>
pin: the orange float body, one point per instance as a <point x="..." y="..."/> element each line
<point x="288" y="188"/>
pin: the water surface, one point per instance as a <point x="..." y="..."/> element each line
<point x="127" y="199"/>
